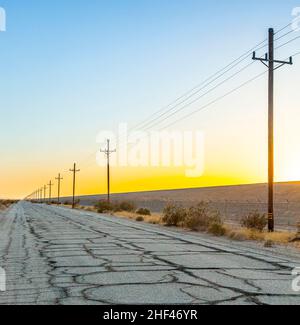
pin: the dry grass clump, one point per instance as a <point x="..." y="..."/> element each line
<point x="279" y="237"/>
<point x="243" y="234"/>
<point x="237" y="235"/>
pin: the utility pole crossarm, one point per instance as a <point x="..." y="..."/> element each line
<point x="108" y="153"/>
<point x="266" y="59"/>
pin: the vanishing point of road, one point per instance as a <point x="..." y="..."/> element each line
<point x="54" y="255"/>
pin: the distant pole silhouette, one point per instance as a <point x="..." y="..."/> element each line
<point x="50" y="186"/>
<point x="45" y="190"/>
<point x="74" y="171"/>
<point x="269" y="61"/>
<point x="108" y="152"/>
<point x="59" y="179"/>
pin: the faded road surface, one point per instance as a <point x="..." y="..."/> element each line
<point x="57" y="256"/>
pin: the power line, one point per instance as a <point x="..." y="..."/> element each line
<point x="218" y="99"/>
<point x="214" y="77"/>
<point x="205" y="84"/>
<point x="242" y="59"/>
<point x="283" y="28"/>
<point x="221" y="97"/>
<point x="221" y="72"/>
<point x="203" y="95"/>
<point x="288" y="42"/>
<point x="195" y="99"/>
<point x="284" y="35"/>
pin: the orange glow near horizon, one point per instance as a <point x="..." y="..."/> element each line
<point x="220" y="170"/>
<point x="125" y="180"/>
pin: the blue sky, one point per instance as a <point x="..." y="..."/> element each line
<point x="71" y="68"/>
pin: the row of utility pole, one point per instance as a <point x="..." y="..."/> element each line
<point x="40" y="195"/>
<point x="268" y="61"/>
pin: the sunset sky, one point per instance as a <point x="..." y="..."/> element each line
<point x="71" y="69"/>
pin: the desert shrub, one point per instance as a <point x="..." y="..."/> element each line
<point x="197" y="218"/>
<point x="173" y="215"/>
<point x="104" y="206"/>
<point x="139" y="219"/>
<point x="125" y="206"/>
<point x="202" y="218"/>
<point x="143" y="212"/>
<point x="67" y="203"/>
<point x="255" y="221"/>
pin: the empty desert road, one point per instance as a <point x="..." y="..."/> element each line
<point x="54" y="255"/>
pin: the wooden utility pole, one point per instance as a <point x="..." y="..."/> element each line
<point x="270" y="62"/>
<point x="45" y="189"/>
<point x="108" y="152"/>
<point x="74" y="171"/>
<point x="50" y="186"/>
<point x="59" y="178"/>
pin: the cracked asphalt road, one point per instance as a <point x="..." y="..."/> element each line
<point x="54" y="255"/>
